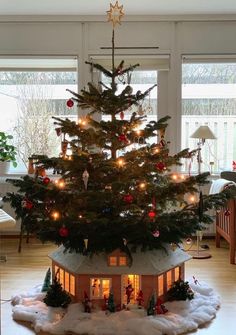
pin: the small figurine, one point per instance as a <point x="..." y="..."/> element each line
<point x="129" y="290"/>
<point x="140" y="299"/>
<point x="160" y="307"/>
<point x="87" y="303"/>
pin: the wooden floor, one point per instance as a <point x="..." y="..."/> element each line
<point x="27" y="269"/>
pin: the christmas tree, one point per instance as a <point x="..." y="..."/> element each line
<point x="56" y="296"/>
<point x="112" y="192"/>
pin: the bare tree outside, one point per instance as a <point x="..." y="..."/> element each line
<point x="34" y="121"/>
<point x="37" y="96"/>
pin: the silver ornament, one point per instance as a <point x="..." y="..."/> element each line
<point x="85" y="177"/>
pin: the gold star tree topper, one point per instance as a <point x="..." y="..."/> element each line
<point x="115" y="13"/>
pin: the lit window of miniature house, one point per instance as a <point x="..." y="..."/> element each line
<point x="150" y="271"/>
<point x="66" y="279"/>
<point x="99" y="287"/>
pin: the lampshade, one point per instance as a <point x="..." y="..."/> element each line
<point x="203" y="132"/>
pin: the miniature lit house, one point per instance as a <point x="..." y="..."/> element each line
<point x="151" y="271"/>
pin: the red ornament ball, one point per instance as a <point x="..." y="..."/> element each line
<point x="70" y="103"/>
<point x="63" y="232"/>
<point x="27" y="204"/>
<point x="46" y="180"/>
<point x="152" y="214"/>
<point x="122" y="138"/>
<point x="160" y="166"/>
<point x="227" y="213"/>
<point x="128" y="198"/>
<point x="156" y="233"/>
<point x="122" y="115"/>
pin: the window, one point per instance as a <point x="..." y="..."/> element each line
<point x="117" y="261"/>
<point x="160" y="285"/>
<point x="32" y="90"/>
<point x="113" y="261"/>
<point x="209" y="98"/>
<point x="122" y="261"/>
<point x="66" y="279"/>
<point x="177" y="273"/>
<point x="169" y="279"/>
<point x="99" y="287"/>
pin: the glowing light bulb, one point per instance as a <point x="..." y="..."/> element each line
<point x="174" y="177"/>
<point x="120" y="162"/>
<point x="81" y="122"/>
<point x="60" y="183"/>
<point x="192" y="198"/>
<point x="142" y="186"/>
<point x="55" y="215"/>
<point x="182" y="176"/>
<point x="156" y="150"/>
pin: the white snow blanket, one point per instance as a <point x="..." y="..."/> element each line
<point x="182" y="316"/>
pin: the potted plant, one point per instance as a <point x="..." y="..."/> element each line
<point x="7" y="152"/>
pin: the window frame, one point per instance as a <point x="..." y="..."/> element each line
<point x="101" y="295"/>
<point x="213" y="147"/>
<point x="39" y="63"/>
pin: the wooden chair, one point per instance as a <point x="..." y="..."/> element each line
<point x="226" y="221"/>
<point x="6" y="221"/>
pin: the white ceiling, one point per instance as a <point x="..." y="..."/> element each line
<point x="131" y="7"/>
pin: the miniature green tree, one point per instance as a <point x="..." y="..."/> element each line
<point x="151" y="305"/>
<point x="110" y="304"/>
<point x="56" y="296"/>
<point x="47" y="281"/>
<point x="180" y="290"/>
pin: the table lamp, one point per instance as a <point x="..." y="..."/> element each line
<point x="203" y="133"/>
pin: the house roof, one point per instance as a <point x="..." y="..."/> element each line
<point x="151" y="262"/>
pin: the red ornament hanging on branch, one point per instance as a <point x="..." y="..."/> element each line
<point x="152" y="214"/>
<point x="128" y="198"/>
<point x="27" y="204"/>
<point x="70" y="103"/>
<point x="58" y="131"/>
<point x="123" y="138"/>
<point x="46" y="180"/>
<point x="122" y="115"/>
<point x="156" y="233"/>
<point x="160" y="166"/>
<point x="63" y="232"/>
